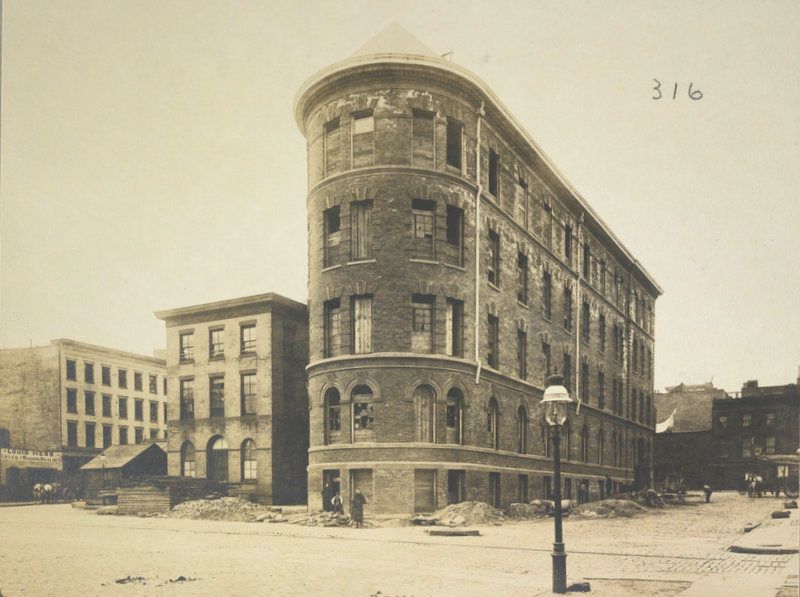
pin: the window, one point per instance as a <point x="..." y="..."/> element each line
<point x="186" y="346"/>
<point x="331" y="328"/>
<point x="360" y="230"/>
<point x="249" y="462"/>
<point x="422" y="139"/>
<point x="547" y="294"/>
<point x="601" y="331"/>
<point x="123" y="436"/>
<point x="216" y="344"/>
<point x="363" y="410"/>
<point x="164" y="408"/>
<point x="422" y="306"/>
<point x="454" y="135"/>
<point x="123" y="407"/>
<point x="424" y="398"/>
<point x="568" y="308"/>
<point x="603" y="276"/>
<point x="333" y="235"/>
<point x="585" y="381"/>
<point x="493" y="338"/>
<point x="522" y="495"/>
<point x="601" y="448"/>
<point x="455" y="235"/>
<point x="138" y="410"/>
<point x="635" y="363"/>
<point x="72" y="400"/>
<point x="455" y="405"/>
<point x="137" y="382"/>
<point x="153" y="384"/>
<point x="522" y="354"/>
<point x="362" y="324"/>
<point x="567" y="371"/>
<point x="88" y="403"/>
<point x="139" y="435"/>
<point x="153" y="411"/>
<point x="747" y="447"/>
<point x="585" y="444"/>
<point x="586" y="321"/>
<point x="107" y="405"/>
<point x="493" y="171"/>
<point x="770" y="419"/>
<point x="454" y="334"/>
<point x="72" y="434"/>
<point x="88" y="372"/>
<point x="248" y="389"/>
<point x="333" y="412"/>
<point x="546" y="358"/>
<point x="107" y="438"/>
<point x="187" y="459"/>
<point x="522" y="278"/>
<point x="522" y="430"/>
<point x="587" y="261"/>
<point x="723" y="421"/>
<point x="363" y="139"/>
<point x="164" y="384"/>
<point x="331" y="147"/>
<point x="154" y="434"/>
<point x="187" y="399"/>
<point x="521" y="202"/>
<point x="747" y="421"/>
<point x="122" y="378"/>
<point x="216" y="394"/>
<point x="568" y="243"/>
<point x="494" y="258"/>
<point x="769" y="446"/>
<point x="547" y="215"/>
<point x="492" y="424"/>
<point x="422" y="215"/>
<point x="617" y="342"/>
<point x="105" y="375"/>
<point x="247" y="338"/>
<point x="601" y="389"/>
<point x="90" y="433"/>
<point x="71" y="370"/>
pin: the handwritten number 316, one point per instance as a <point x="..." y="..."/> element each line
<point x="695" y="95"/>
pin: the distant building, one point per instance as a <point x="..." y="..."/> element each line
<point x="237" y="370"/>
<point x="758" y="422"/>
<point x="72" y="399"/>
<point x="683" y="446"/>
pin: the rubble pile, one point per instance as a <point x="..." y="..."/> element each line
<point x="535" y="509"/>
<point x="325" y="519"/>
<point x="467" y="513"/>
<point x="609" y="509"/>
<point x="226" y="508"/>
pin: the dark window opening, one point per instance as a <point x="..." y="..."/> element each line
<point x="454" y="136"/>
<point x="493" y="171"/>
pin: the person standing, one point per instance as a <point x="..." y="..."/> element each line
<point x="327" y="496"/>
<point x="707" y="491"/>
<point x="357" y="508"/>
<point x="336" y="503"/>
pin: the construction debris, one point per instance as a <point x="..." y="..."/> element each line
<point x="609" y="509"/>
<point x="468" y="513"/>
<point x="226" y="508"/>
<point x="325" y="519"/>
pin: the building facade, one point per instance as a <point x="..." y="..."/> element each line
<point x="752" y="424"/>
<point x="72" y="399"/>
<point x="451" y="267"/>
<point x="683" y="446"/>
<point x="237" y="369"/>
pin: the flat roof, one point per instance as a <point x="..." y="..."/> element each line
<point x="76" y="344"/>
<point x="267" y="300"/>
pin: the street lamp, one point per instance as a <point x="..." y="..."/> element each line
<point x="555" y="402"/>
<point x="103" y="463"/>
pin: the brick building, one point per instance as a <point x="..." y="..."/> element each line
<point x="237" y="370"/>
<point x="684" y="448"/>
<point x="756" y="422"/>
<point x="73" y="399"/>
<point x="429" y="350"/>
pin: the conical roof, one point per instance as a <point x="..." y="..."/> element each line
<point x="394" y="39"/>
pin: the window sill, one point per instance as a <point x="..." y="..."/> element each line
<point x="218" y="357"/>
<point x="460" y="268"/>
<point x="361" y="261"/>
<point x="493" y="286"/>
<point x="185" y="362"/>
<point x="247" y="354"/>
<point x="547" y="319"/>
<point x="523" y="305"/>
<point x="331" y="267"/>
<point x="454" y="169"/>
<point x="427" y="261"/>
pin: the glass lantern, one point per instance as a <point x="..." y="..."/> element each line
<point x="555" y="401"/>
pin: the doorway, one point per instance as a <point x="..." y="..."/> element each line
<point x="217" y="458"/>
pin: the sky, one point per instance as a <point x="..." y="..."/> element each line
<point x="150" y="158"/>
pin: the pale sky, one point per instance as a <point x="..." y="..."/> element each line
<point x="150" y="157"/>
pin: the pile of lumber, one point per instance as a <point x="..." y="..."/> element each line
<point x="134" y="500"/>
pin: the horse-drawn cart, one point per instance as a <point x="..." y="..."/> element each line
<point x="780" y="473"/>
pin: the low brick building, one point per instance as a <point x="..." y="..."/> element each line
<point x="756" y="422"/>
<point x="237" y="370"/>
<point x="684" y="448"/>
<point x="451" y="268"/>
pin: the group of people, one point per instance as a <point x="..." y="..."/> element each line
<point x="332" y="502"/>
<point x="47" y="493"/>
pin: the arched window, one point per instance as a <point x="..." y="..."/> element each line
<point x="187" y="460"/>
<point x="249" y="463"/>
<point x="455" y="406"/>
<point x="492" y="424"/>
<point x="333" y="414"/>
<point x="423" y="406"/>
<point x="217" y="459"/>
<point x="601" y="446"/>
<point x="585" y="444"/>
<point x="363" y="412"/>
<point x="522" y="430"/>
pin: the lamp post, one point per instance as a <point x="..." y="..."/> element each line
<point x="103" y="463"/>
<point x="555" y="402"/>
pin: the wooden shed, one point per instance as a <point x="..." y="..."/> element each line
<point x="104" y="472"/>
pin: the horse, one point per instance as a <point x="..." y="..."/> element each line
<point x="754" y="485"/>
<point x="37" y="491"/>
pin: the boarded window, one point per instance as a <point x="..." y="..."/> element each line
<point x="332" y="147"/>
<point x="423" y="224"/>
<point x="424" y="398"/>
<point x="454" y="135"/>
<point x="360" y="230"/>
<point x="422" y="138"/>
<point x="454" y="330"/>
<point x="362" y="324"/>
<point x="422" y="321"/>
<point x="424" y="490"/>
<point x="363" y="139"/>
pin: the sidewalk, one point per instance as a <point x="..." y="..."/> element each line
<point x="773" y="536"/>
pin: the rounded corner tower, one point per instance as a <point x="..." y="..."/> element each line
<point x="414" y="394"/>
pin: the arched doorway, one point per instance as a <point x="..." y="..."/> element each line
<point x="217" y="459"/>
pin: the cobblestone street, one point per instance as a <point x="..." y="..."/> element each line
<point x="56" y="550"/>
